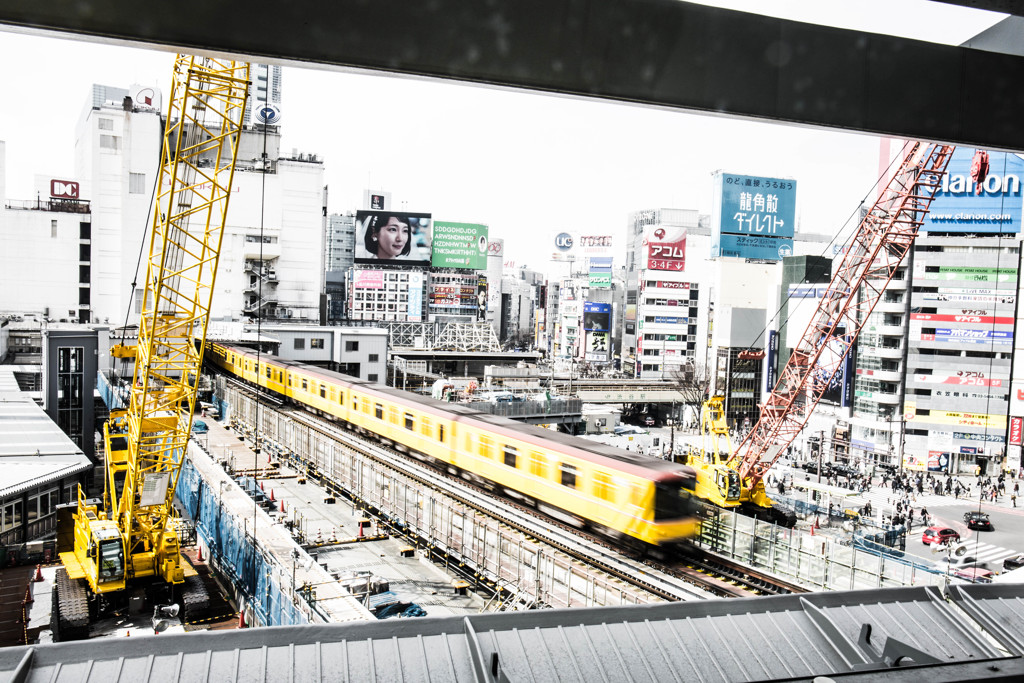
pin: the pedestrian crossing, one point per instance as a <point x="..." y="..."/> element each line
<point x="991" y="555"/>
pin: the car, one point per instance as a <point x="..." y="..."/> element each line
<point x="939" y="534"/>
<point x="1014" y="562"/>
<point x="974" y="574"/>
<point x="962" y="562"/>
<point x="978" y="520"/>
<point x="649" y="421"/>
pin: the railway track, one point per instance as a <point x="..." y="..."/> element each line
<point x="692" y="566"/>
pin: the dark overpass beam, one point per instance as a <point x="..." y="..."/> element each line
<point x="655" y="52"/>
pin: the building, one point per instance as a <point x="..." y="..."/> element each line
<point x="339" y="254"/>
<point x="357" y="351"/>
<point x="42" y="466"/>
<point x="263" y="106"/>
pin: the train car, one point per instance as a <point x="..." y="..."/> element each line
<point x="625" y="496"/>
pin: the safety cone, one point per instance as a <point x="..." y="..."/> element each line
<point x="127" y="634"/>
<point x="334" y="535"/>
<point x="360" y="529"/>
<point x="200" y="555"/>
<point x="319" y="537"/>
<point x="812" y="530"/>
<point x="261" y="487"/>
<point x="282" y="505"/>
<point x="272" y="495"/>
<point x="241" y="619"/>
<point x="28" y="596"/>
<point x="39" y="573"/>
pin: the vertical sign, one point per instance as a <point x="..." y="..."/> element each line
<point x="415" y="297"/>
<point x="753" y="217"/>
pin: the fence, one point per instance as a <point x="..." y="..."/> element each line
<point x="816" y="561"/>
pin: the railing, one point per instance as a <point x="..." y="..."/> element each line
<point x="530" y="409"/>
<point x="816" y="561"/>
<point x="58" y="205"/>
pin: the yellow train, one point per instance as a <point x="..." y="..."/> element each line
<point x="624" y="496"/>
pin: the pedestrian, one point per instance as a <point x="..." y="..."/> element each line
<point x="1013" y="499"/>
<point x="924" y="516"/>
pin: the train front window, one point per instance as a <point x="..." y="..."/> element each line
<point x="670" y="501"/>
<point x="111" y="560"/>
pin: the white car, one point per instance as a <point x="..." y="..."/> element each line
<point x="964" y="562"/>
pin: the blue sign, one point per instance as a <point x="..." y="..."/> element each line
<point x="600" y="262"/>
<point x="751" y="246"/>
<point x="753" y="217"/>
<point x="959" y="207"/>
<point x="671" y="321"/>
<point x="597" y="316"/>
<point x="563" y="241"/>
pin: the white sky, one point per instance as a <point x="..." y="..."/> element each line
<point x="528" y="165"/>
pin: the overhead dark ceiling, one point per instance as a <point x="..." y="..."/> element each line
<point x="1004" y="6"/>
<point x="657" y="52"/>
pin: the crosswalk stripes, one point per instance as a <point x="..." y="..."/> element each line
<point x="992" y="555"/>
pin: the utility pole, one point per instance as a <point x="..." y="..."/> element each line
<point x="903" y="434"/>
<point x="672" y="433"/>
<point x="821" y="449"/>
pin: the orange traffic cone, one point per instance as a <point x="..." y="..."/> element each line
<point x="200" y="555"/>
<point x="241" y="619"/>
<point x="282" y="505"/>
<point x="39" y="573"/>
<point x="127" y="634"/>
<point x="271" y="495"/>
<point x="261" y="487"/>
<point x="812" y="530"/>
<point x="28" y="596"/>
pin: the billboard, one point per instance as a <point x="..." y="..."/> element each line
<point x="753" y="217"/>
<point x="455" y="291"/>
<point x="597" y="316"/>
<point x="601" y="272"/>
<point x="665" y="247"/>
<point x="415" y="297"/>
<point x="459" y="245"/>
<point x="597" y="346"/>
<point x="368" y="279"/>
<point x="961" y="206"/>
<point x="595" y="244"/>
<point x="393" y="237"/>
<point x="971" y="274"/>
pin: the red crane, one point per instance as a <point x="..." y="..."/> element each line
<point x="875" y="251"/>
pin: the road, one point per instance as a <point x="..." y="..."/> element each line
<point x="990" y="547"/>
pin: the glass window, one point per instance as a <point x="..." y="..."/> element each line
<point x="410" y="422"/>
<point x="440" y="433"/>
<point x="486" y="447"/>
<point x="323" y="391"/>
<point x="136" y="183"/>
<point x="374" y="357"/>
<point x="425" y="426"/>
<point x="378" y="411"/>
<point x="510" y="455"/>
<point x="568" y="475"/>
<point x="317" y="343"/>
<point x="299" y="343"/>
<point x="371" y="377"/>
<point x="352" y="345"/>
<point x="305" y="385"/>
<point x="603" y="487"/>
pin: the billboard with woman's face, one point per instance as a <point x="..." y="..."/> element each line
<point x="393" y="237"/>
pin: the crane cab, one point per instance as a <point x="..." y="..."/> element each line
<point x="98" y="555"/>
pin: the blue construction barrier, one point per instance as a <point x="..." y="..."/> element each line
<point x="234" y="552"/>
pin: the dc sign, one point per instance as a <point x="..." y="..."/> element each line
<point x="563" y="241"/>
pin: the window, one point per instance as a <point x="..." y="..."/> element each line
<point x="299" y="343"/>
<point x="136" y="183"/>
<point x="355" y="402"/>
<point x="410" y="422"/>
<point x="378" y="411"/>
<point x="84" y="231"/>
<point x="323" y="391"/>
<point x="341" y="397"/>
<point x="486" y="447"/>
<point x="374" y="357"/>
<point x="317" y="343"/>
<point x="268" y="371"/>
<point x="440" y="433"/>
<point x="53" y="228"/>
<point x="105" y="124"/>
<point x="568" y="475"/>
<point x="83" y="296"/>
<point x="305" y="386"/>
<point x="84" y="252"/>
<point x="111" y="142"/>
<point x="603" y="487"/>
<point x="510" y="455"/>
<point x="425" y="426"/>
<point x="371" y="377"/>
<point x="351" y="346"/>
<point x="11" y="515"/>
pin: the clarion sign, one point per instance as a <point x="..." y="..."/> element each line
<point x="994" y="184"/>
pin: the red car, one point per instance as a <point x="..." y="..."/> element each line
<point x="939" y="534"/>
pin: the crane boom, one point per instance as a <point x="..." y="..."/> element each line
<point x="874" y="253"/>
<point x="130" y="535"/>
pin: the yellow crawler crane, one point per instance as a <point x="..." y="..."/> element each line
<point x="128" y="542"/>
<point x="717" y="481"/>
